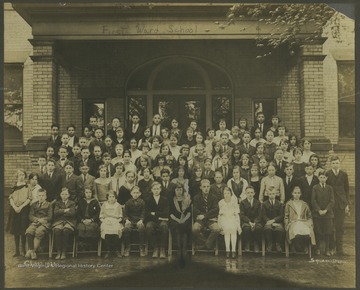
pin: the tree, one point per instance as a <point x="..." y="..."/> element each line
<point x="288" y="21"/>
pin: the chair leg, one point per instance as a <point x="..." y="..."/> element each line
<point x="286" y="248"/>
<point x="217" y="246"/>
<point x="263" y="246"/>
<point x="74" y="246"/>
<point x="50" y="244"/>
<point x="99" y="247"/>
<point x="310" y="246"/>
<point x="239" y="246"/>
<point x="170" y="244"/>
<point x="192" y="248"/>
<point x="122" y="247"/>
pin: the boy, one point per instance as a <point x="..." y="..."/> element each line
<point x="225" y="147"/>
<point x="42" y="165"/>
<point x="73" y="139"/>
<point x="257" y="138"/>
<point x="93" y="123"/>
<point x="51" y="181"/>
<point x="65" y="143"/>
<point x="322" y="200"/>
<point x="60" y="164"/>
<point x="76" y="159"/>
<point x="250" y="217"/>
<point x="217" y="188"/>
<point x="290" y="181"/>
<point x="199" y="156"/>
<point x="263" y="164"/>
<point x="83" y="142"/>
<point x="40" y="216"/>
<point x="109" y="148"/>
<point x="95" y="161"/>
<point x="246" y="148"/>
<point x="208" y="172"/>
<point x="307" y="183"/>
<point x="339" y="181"/>
<point x="206" y="211"/>
<point x="134" y="129"/>
<point x="98" y="141"/>
<point x="135" y="152"/>
<point x="54" y="140"/>
<point x="120" y="138"/>
<point x="87" y="179"/>
<point x="167" y="187"/>
<point x="106" y="160"/>
<point x="156" y="217"/>
<point x="225" y="167"/>
<point x="119" y="150"/>
<point x="73" y="183"/>
<point x="50" y="153"/>
<point x="271" y="180"/>
<point x="134" y="215"/>
<point x="279" y="163"/>
<point x="156" y="126"/>
<point x="272" y="218"/>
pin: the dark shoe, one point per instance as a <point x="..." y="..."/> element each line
<point x="256" y="248"/>
<point x="107" y="255"/>
<point x="162" y="254"/>
<point x="155" y="253"/>
<point x="227" y="254"/>
<point x="233" y="255"/>
<point x="17" y="254"/>
<point x="278" y="248"/>
<point x="118" y="254"/>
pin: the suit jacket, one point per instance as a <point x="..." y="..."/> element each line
<point x="76" y="160"/>
<point x="161" y="209"/>
<point x="94" y="166"/>
<point x="137" y="134"/>
<point x="228" y="175"/>
<point x="56" y="143"/>
<point x="60" y="216"/>
<point x="110" y="172"/>
<point x="38" y="211"/>
<point x="159" y="130"/>
<point x="51" y="185"/>
<point x="250" y="213"/>
<point x="289" y="187"/>
<point x="306" y="189"/>
<point x="210" y="176"/>
<point x="111" y="151"/>
<point x="60" y="168"/>
<point x="340" y="185"/>
<point x="228" y="151"/>
<point x="217" y="191"/>
<point x="250" y="151"/>
<point x="89" y="181"/>
<point x="322" y="198"/>
<point x="76" y="140"/>
<point x="269" y="211"/>
<point x="75" y="185"/>
<point x="280" y="169"/>
<point x="169" y="191"/>
<point x="211" y="211"/>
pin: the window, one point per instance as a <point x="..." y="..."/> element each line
<point x="267" y="106"/>
<point x="94" y="114"/>
<point x="138" y="105"/>
<point x="13" y="103"/>
<point x="221" y="109"/>
<point x="346" y="84"/>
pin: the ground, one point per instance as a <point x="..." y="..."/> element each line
<point x="202" y="270"/>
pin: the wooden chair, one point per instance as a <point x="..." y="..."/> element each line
<point x="240" y="248"/>
<point x="49" y="245"/>
<point x="98" y="250"/>
<point x="73" y="248"/>
<point x="133" y="230"/>
<point x="287" y="248"/>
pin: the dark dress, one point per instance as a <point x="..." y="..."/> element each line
<point x="18" y="222"/>
<point x="145" y="188"/>
<point x="256" y="186"/>
<point x="179" y="211"/>
<point x="89" y="210"/>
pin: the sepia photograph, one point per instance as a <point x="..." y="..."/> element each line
<point x="179" y="144"/>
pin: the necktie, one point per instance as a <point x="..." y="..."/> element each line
<point x="67" y="177"/>
<point x="84" y="178"/>
<point x="225" y="171"/>
<point x="134" y="128"/>
<point x="50" y="175"/>
<point x="165" y="185"/>
<point x="117" y="185"/>
<point x="288" y="180"/>
<point x="206" y="205"/>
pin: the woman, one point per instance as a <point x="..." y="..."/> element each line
<point x="34" y="186"/>
<point x="111" y="227"/>
<point x="181" y="178"/>
<point x="237" y="184"/>
<point x="180" y="221"/>
<point x="298" y="222"/>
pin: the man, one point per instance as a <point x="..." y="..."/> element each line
<point x="260" y="123"/>
<point x="156" y="126"/>
<point x="134" y="129"/>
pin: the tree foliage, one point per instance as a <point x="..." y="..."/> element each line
<point x="287" y="21"/>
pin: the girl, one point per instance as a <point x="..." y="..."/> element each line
<point x="145" y="183"/>
<point x="235" y="157"/>
<point x="166" y="152"/>
<point x="88" y="217"/>
<point x="111" y="226"/>
<point x="237" y="184"/>
<point x="183" y="161"/>
<point x="263" y="164"/>
<point x="229" y="221"/>
<point x="257" y="138"/>
<point x="19" y="211"/>
<point x="175" y="130"/>
<point x="269" y="146"/>
<point x="160" y="163"/>
<point x="128" y="164"/>
<point x="155" y="146"/>
<point x="243" y="127"/>
<point x="146" y="137"/>
<point x="315" y="161"/>
<point x="118" y="178"/>
<point x="119" y="150"/>
<point x="102" y="185"/>
<point x="34" y="186"/>
<point x="194" y="184"/>
<point x="210" y="138"/>
<point x="284" y="145"/>
<point x="298" y="164"/>
<point x="142" y="162"/>
<point x="64" y="222"/>
<point x="50" y="153"/>
<point x="222" y="129"/>
<point x="306" y="145"/>
<point x="216" y="155"/>
<point x="165" y="133"/>
<point x="189" y="137"/>
<point x="115" y="123"/>
<point x="298" y="222"/>
<point x="180" y="218"/>
<point x="87" y="133"/>
<point x="235" y="141"/>
<point x="199" y="139"/>
<point x="259" y="153"/>
<point x="124" y="191"/>
<point x="293" y="143"/>
<point x="180" y="178"/>
<point x="245" y="166"/>
<point x="255" y="180"/>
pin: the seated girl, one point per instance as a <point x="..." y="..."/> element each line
<point x="111" y="226"/>
<point x="64" y="222"/>
<point x="298" y="222"/>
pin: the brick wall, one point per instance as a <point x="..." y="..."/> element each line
<point x="14" y="161"/>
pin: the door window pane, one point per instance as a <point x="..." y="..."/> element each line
<point x="138" y="105"/>
<point x="221" y="109"/>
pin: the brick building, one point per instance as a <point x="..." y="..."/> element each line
<point x="62" y="60"/>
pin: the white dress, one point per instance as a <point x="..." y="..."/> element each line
<point x="110" y="216"/>
<point x="229" y="218"/>
<point x="300" y="227"/>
